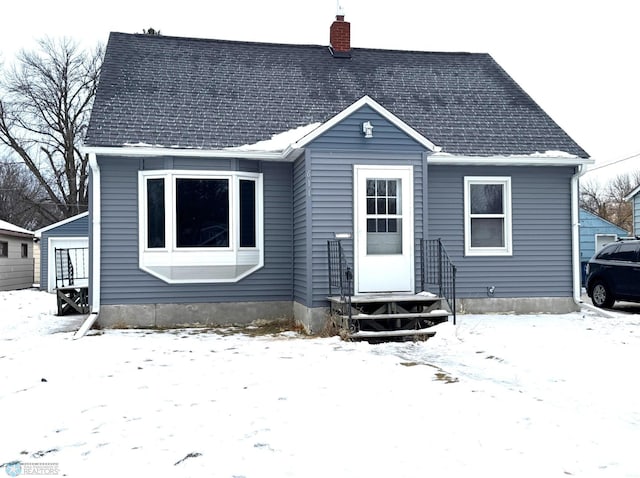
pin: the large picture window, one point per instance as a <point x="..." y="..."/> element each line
<point x="202" y="212"/>
<point x="200" y="226"/>
<point x="487" y="213"/>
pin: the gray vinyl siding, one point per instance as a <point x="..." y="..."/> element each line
<point x="332" y="210"/>
<point x="348" y="135"/>
<point x="16" y="272"/>
<point x="541" y="227"/>
<point x="636" y="214"/>
<point x="331" y="158"/>
<point x="122" y="282"/>
<point x="76" y="228"/>
<point x="300" y="233"/>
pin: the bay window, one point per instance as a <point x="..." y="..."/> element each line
<point x="200" y="226"/>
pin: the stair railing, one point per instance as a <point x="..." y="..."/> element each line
<point x="340" y="274"/>
<point x="438" y="271"/>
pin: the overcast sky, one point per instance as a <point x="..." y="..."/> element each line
<point x="579" y="59"/>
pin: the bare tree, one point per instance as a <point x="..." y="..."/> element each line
<point x="593" y="198"/>
<point x="45" y="101"/>
<point x="23" y="201"/>
<point x="608" y="200"/>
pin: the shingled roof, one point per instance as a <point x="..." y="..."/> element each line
<point x="214" y="94"/>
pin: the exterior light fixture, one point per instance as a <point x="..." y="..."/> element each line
<point x="367" y="129"/>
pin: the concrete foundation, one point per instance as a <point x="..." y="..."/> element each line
<point x="314" y="320"/>
<point x="517" y="305"/>
<point x="191" y="315"/>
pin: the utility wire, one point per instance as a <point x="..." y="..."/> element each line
<point x="614" y="162"/>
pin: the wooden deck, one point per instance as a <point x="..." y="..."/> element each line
<point x="72" y="300"/>
<point x="388" y="316"/>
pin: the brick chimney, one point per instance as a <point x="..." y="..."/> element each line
<point x="340" y="37"/>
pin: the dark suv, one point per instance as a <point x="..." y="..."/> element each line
<point x="614" y="273"/>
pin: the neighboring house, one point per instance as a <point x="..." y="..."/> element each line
<point x="595" y="232"/>
<point x="16" y="257"/>
<point x="71" y="233"/>
<point x="220" y="170"/>
<point x="634" y="197"/>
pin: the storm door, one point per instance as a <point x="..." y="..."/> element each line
<point x="384" y="229"/>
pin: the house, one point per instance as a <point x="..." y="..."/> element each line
<point x="634" y="197"/>
<point x="71" y="236"/>
<point x="16" y="257"/>
<point x="595" y="232"/>
<point x="221" y="169"/>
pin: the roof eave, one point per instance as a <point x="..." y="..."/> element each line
<point x="38" y="232"/>
<point x="506" y="160"/>
<point x="288" y="154"/>
<point x="632" y="193"/>
<point x="8" y="232"/>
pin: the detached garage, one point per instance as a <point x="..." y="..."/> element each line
<point x="72" y="235"/>
<point x="16" y="257"/>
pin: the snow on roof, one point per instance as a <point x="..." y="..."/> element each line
<point x="280" y="141"/>
<point x="7" y="226"/>
<point x="553" y="154"/>
<point x="277" y="142"/>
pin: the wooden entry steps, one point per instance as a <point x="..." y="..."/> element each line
<point x="388" y="316"/>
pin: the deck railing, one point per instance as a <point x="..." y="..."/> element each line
<point x="438" y="271"/>
<point x="72" y="266"/>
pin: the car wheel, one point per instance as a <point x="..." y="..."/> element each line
<point x="601" y="296"/>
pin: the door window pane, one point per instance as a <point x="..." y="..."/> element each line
<point x="387" y="240"/>
<point x="155" y="213"/>
<point x="202" y="212"/>
<point x="384" y="232"/>
<point x="371" y="187"/>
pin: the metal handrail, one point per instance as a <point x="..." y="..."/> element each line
<point x="71" y="265"/>
<point x="438" y="270"/>
<point x="340" y="274"/>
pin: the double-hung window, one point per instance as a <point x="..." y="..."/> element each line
<point x="200" y="226"/>
<point x="487" y="216"/>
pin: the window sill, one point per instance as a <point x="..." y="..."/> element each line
<point x="488" y="253"/>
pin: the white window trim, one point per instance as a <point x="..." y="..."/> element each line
<point x="613" y="236"/>
<point x="507" y="250"/>
<point x="153" y="259"/>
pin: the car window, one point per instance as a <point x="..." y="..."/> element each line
<point x="626" y="252"/>
<point x="607" y="252"/>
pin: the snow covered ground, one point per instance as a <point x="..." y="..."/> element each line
<point x="495" y="396"/>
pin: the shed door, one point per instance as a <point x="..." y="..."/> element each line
<point x="383" y="206"/>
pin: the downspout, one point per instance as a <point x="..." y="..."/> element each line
<point x="575" y="236"/>
<point x="94" y="215"/>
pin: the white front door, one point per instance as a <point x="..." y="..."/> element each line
<point x="383" y="214"/>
